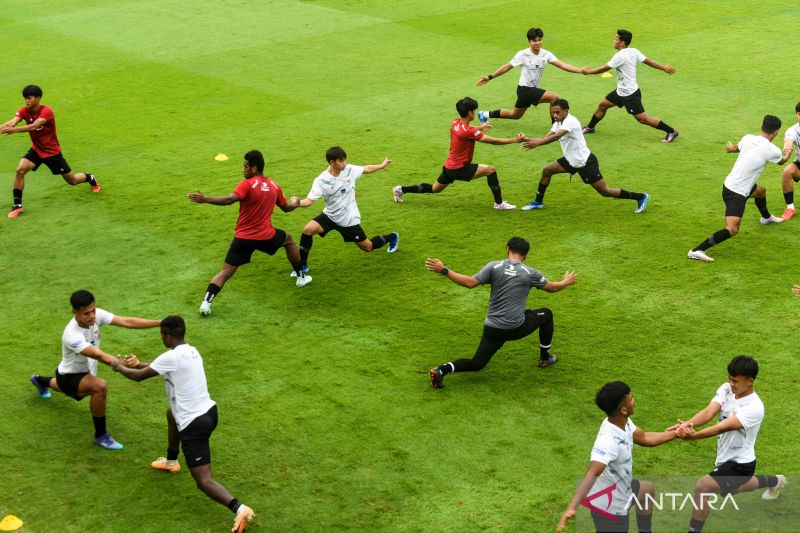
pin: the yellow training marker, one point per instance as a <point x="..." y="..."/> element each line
<point x="10" y="523"/>
<point x="221" y="157"/>
<point x="605" y="74"/>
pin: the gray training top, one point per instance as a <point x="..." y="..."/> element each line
<point x="511" y="282"/>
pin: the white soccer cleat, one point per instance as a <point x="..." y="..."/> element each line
<point x="700" y="255"/>
<point x="303" y="280"/>
<point x="504" y="206"/>
<point x="398" y="194"/>
<point x="205" y="308"/>
<point x="772" y="492"/>
<point x="771" y="220"/>
<point x="483" y="117"/>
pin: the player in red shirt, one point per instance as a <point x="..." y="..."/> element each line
<point x="257" y="196"/>
<point x="41" y="125"/>
<point x="459" y="165"/>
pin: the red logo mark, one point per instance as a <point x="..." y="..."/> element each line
<point x="586" y="502"/>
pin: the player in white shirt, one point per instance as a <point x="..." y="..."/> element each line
<point x="755" y="151"/>
<point x="739" y="413"/>
<point x="611" y="464"/>
<point x="337" y="187"/>
<point x="192" y="414"/>
<point x="76" y="375"/>
<point x="533" y="60"/>
<point x="791" y="174"/>
<point x="577" y="159"/>
<point x="627" y="94"/>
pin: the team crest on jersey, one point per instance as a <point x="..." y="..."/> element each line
<point x="510" y="270"/>
<point x="264" y="186"/>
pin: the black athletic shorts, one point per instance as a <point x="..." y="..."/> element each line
<point x="735" y="202"/>
<point x="241" y="250"/>
<point x="57" y="164"/>
<point x="730" y="476"/>
<point x="195" y="438"/>
<point x="797" y="166"/>
<point x="620" y="523"/>
<point x="534" y="319"/>
<point x="632" y="103"/>
<point x="528" y="96"/>
<point x="589" y="173"/>
<point x="465" y="173"/>
<point x="348" y="233"/>
<point x="68" y="383"/>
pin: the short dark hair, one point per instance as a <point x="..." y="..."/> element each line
<point x="174" y="326"/>
<point x="518" y="245"/>
<point x="335" y="153"/>
<point x="771" y="124"/>
<point x="611" y="396"/>
<point x="743" y="365"/>
<point x="625" y="36"/>
<point x="465" y="105"/>
<point x="32" y="90"/>
<point x="81" y="298"/>
<point x="797" y="108"/>
<point x="563" y="104"/>
<point x="533" y="33"/>
<point x="255" y="158"/>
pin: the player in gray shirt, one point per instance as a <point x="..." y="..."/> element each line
<point x="507" y="318"/>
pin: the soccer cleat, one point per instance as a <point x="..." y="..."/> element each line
<point x="398" y="194"/>
<point x="700" y="255"/>
<point x="108" y="442"/>
<point x="43" y="392"/>
<point x="243" y="516"/>
<point x="393" y="243"/>
<point x="15" y="212"/>
<point x="789" y="213"/>
<point x="670" y="137"/>
<point x="641" y="203"/>
<point x="483" y="117"/>
<point x="771" y="220"/>
<point x="504" y="206"/>
<point x="772" y="492"/>
<point x="587" y="130"/>
<point x="162" y="464"/>
<point x="303" y="280"/>
<point x="533" y="205"/>
<point x="437" y="378"/>
<point x="550" y="361"/>
<point x="205" y="308"/>
<point x="93" y="182"/>
<point x="304" y="268"/>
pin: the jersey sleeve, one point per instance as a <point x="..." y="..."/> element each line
<point x="775" y="154"/>
<point x="550" y="57"/>
<point x="316" y="190"/>
<point x="485" y="274"/>
<point x="537" y="279"/>
<point x="242" y="189"/>
<point x="721" y="394"/>
<point x="751" y="415"/>
<point x="166" y="362"/>
<point x="280" y="199"/>
<point x="741" y="143"/>
<point x="22" y="113"/>
<point x="103" y="317"/>
<point x="517" y="59"/>
<point x="355" y="172"/>
<point x="75" y="341"/>
<point x="640" y="57"/>
<point x="605" y="449"/>
<point x="47" y="114"/>
<point x="616" y="60"/>
<point x="469" y="132"/>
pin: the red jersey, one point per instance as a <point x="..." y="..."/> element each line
<point x="462" y="144"/>
<point x="257" y="198"/>
<point x="45" y="141"/>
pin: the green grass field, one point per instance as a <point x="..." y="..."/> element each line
<point x="328" y="421"/>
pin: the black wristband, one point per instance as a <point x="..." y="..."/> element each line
<point x="444" y="271"/>
<point x="490" y="76"/>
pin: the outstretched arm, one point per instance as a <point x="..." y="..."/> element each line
<point x="436" y="265"/>
<point x="518" y="138"/>
<point x="483" y="80"/>
<point x="566" y="66"/>
<point x="732" y="148"/>
<point x="132" y="322"/>
<point x="93" y="352"/>
<point x="731" y="423"/>
<point x="599" y="70"/>
<point x="11" y="123"/>
<point x="669" y="69"/>
<point x="594" y="471"/>
<point x="369" y="169"/>
<point x="140" y="372"/>
<point x="8" y="128"/>
<point x="650" y="438"/>
<point x="551" y="136"/>
<point x="555" y="286"/>
<point x="796" y="290"/>
<point x="200" y="198"/>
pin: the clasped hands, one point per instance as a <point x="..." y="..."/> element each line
<point x="684" y="430"/>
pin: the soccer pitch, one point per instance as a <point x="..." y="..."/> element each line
<point x="328" y="421"/>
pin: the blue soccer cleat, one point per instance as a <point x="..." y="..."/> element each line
<point x="108" y="442"/>
<point x="533" y="205"/>
<point x="483" y="117"/>
<point x="641" y="203"/>
<point x="43" y="392"/>
<point x="394" y="243"/>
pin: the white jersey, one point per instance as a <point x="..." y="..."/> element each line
<point x="739" y="445"/>
<point x="793" y="134"/>
<point x="339" y="193"/>
<point x="573" y="144"/>
<point x="625" y="62"/>
<point x="185" y="381"/>
<point x="614" y="448"/>
<point x="75" y="339"/>
<point x="532" y="65"/>
<point x="755" y="152"/>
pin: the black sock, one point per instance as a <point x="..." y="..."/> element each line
<point x="306" y="241"/>
<point x="544" y="352"/>
<point x="172" y="454"/>
<point x="494" y="185"/>
<point x="17" y="197"/>
<point x="761" y="204"/>
<point x="716" y="238"/>
<point x="593" y="122"/>
<point x="494" y="114"/>
<point x="43" y="381"/>
<point x="644" y="523"/>
<point x="627" y="195"/>
<point x="696" y="525"/>
<point x="788" y="197"/>
<point x="298" y="269"/>
<point x="421" y="188"/>
<point x="445" y="368"/>
<point x="90" y="179"/>
<point x="663" y="127"/>
<point x="379" y="240"/>
<point x="234" y="504"/>
<point x="211" y="292"/>
<point x="767" y="481"/>
<point x="540" y="192"/>
<point x="99" y="426"/>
